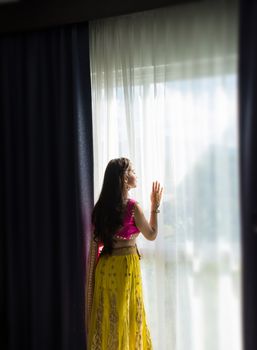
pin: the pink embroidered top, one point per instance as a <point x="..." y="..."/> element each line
<point x="129" y="229"/>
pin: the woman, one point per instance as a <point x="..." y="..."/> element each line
<point x="115" y="309"/>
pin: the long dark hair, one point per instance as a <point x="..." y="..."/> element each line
<point x="108" y="212"/>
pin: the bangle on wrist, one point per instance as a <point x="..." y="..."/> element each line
<point x="156" y="211"/>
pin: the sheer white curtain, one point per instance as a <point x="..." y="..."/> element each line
<point x="164" y="92"/>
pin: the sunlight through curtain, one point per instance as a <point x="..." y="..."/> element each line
<point x="164" y="92"/>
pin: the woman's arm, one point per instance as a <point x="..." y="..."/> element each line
<point x="149" y="229"/>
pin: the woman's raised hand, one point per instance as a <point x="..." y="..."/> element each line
<point x="156" y="194"/>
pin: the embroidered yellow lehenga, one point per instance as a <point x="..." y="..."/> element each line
<point x="116" y="317"/>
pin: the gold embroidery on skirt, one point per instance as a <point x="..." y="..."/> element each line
<point x="113" y="342"/>
<point x="118" y="321"/>
<point x="148" y="339"/>
<point x="125" y="344"/>
<point x="97" y="339"/>
<point x="90" y="277"/>
<point x="139" y="323"/>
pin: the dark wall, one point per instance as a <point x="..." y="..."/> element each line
<point x="35" y="14"/>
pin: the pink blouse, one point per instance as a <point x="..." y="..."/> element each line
<point x="129" y="229"/>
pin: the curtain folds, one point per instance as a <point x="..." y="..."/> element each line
<point x="47" y="186"/>
<point x="248" y="168"/>
<point x="164" y="94"/>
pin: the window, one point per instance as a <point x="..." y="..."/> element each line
<point x="172" y="109"/>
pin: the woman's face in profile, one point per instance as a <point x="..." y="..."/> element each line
<point x="131" y="176"/>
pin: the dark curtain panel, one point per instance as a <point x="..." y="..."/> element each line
<point x="248" y="140"/>
<point x="46" y="187"/>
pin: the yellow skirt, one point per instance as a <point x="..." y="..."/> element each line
<point x="118" y="320"/>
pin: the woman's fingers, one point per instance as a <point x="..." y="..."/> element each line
<point x="161" y="193"/>
<point x="156" y="186"/>
<point x="157" y="189"/>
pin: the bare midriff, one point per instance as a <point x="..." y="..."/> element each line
<point x="119" y="243"/>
